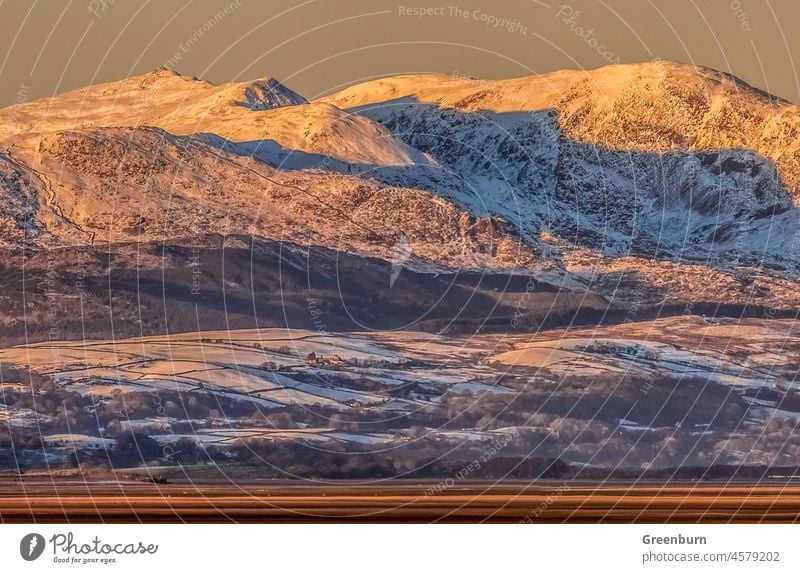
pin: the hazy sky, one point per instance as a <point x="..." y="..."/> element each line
<point x="316" y="46"/>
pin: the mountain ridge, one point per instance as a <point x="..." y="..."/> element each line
<point x="655" y="184"/>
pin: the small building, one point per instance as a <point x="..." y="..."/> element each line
<point x="636" y="351"/>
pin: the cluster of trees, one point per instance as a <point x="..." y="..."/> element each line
<point x="659" y="401"/>
<point x="496" y="468"/>
<point x="292" y="459"/>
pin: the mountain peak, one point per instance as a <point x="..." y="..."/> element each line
<point x="159" y="77"/>
<point x="163" y="71"/>
<point x="689" y="76"/>
<point x="268" y="93"/>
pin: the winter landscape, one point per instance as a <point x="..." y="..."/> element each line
<point x="580" y="275"/>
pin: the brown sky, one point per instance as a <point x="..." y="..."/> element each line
<point x="316" y="46"/>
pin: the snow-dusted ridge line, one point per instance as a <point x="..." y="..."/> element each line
<point x="661" y="170"/>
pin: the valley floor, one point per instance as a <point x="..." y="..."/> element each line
<point x="679" y="392"/>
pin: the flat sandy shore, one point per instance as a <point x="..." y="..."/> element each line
<point x="49" y="501"/>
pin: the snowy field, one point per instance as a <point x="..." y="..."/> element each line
<point x="362" y="386"/>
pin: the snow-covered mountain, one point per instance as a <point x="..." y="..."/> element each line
<point x="646" y="168"/>
<point x="646" y="184"/>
